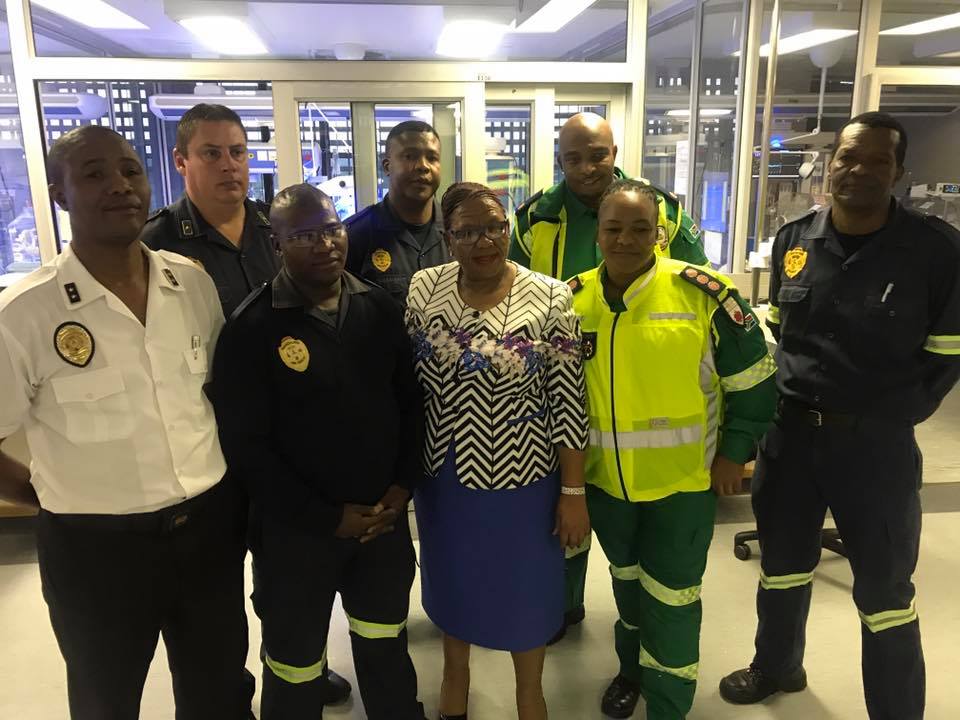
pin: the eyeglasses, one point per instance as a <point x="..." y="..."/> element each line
<point x="471" y="235"/>
<point x="315" y="236"/>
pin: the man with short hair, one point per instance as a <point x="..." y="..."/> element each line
<point x="555" y="233"/>
<point x="217" y="226"/>
<point x="393" y="239"/>
<point x="103" y="358"/>
<point x="865" y="304"/>
<point x="328" y="440"/>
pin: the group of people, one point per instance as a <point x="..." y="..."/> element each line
<point x="586" y="371"/>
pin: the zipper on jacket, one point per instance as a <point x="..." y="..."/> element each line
<point x="556" y="255"/>
<point x="613" y="408"/>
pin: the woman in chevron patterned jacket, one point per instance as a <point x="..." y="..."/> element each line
<point x="498" y="356"/>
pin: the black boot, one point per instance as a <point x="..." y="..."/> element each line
<point x="570" y="618"/>
<point x="621" y="697"/>
<point x="336" y="689"/>
<point x="453" y="717"/>
<point x="751" y="685"/>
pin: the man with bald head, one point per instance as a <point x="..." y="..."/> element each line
<point x="555" y="233"/>
<point x="328" y="440"/>
<point x="103" y="358"/>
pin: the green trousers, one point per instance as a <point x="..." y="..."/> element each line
<point x="658" y="553"/>
<point x="575" y="575"/>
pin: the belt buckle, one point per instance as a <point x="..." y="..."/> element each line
<point x="177" y="521"/>
<point x="817" y="418"/>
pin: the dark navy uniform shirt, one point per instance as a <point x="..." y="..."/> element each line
<point x="876" y="332"/>
<point x="236" y="271"/>
<point x="384" y="251"/>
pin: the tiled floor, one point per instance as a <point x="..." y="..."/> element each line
<point x="32" y="684"/>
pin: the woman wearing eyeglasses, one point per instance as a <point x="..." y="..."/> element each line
<point x="497" y="351"/>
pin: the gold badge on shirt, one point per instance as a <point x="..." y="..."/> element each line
<point x="294" y="354"/>
<point x="381" y="260"/>
<point x="794" y="261"/>
<point x="74" y="343"/>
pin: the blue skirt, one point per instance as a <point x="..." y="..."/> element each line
<point x="491" y="570"/>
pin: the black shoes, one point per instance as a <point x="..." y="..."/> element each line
<point x="453" y="717"/>
<point x="751" y="685"/>
<point x="620" y="699"/>
<point x="570" y="618"/>
<point x="336" y="689"/>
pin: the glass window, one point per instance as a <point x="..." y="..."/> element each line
<point x="561" y="113"/>
<point x="814" y="91"/>
<point x="151" y="126"/>
<point x="508" y="153"/>
<point x="931" y="117"/>
<point x="716" y="131"/>
<point x="326" y="137"/>
<point x="919" y="33"/>
<point x="531" y="30"/>
<point x="666" y="161"/>
<point x="19" y="248"/>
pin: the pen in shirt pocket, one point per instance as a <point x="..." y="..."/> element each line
<point x="886" y="293"/>
<point x="195" y="346"/>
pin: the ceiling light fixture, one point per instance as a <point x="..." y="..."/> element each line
<point x="553" y="15"/>
<point x="474" y="39"/>
<point x="225" y="35"/>
<point x="804" y="41"/>
<point x="944" y="22"/>
<point x="92" y="13"/>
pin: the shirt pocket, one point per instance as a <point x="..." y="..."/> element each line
<point x="95" y="406"/>
<point x="196" y="360"/>
<point x="794" y="303"/>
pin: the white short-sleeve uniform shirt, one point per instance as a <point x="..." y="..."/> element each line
<point x="114" y="410"/>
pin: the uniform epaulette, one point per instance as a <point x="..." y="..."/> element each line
<point x="667" y="194"/>
<point x="157" y="213"/>
<point x="576" y="285"/>
<point x="702" y="280"/>
<point x="529" y="202"/>
<point x="942" y="226"/>
<point x="358" y="216"/>
<point x="812" y="211"/>
<point x="248" y="301"/>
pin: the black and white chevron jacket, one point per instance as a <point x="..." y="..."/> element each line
<point x="505" y="386"/>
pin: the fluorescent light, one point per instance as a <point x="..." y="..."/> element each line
<point x="804" y="41"/>
<point x="225" y="35"/>
<point x="704" y="112"/>
<point x="944" y="22"/>
<point x="553" y="15"/>
<point x="92" y="13"/>
<point x="470" y="39"/>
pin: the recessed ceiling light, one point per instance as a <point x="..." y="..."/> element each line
<point x="804" y="41"/>
<point x="553" y="15"/>
<point x="470" y="39"/>
<point x="92" y="13"/>
<point x="225" y="34"/>
<point x="944" y="22"/>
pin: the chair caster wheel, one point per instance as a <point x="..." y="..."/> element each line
<point x="742" y="552"/>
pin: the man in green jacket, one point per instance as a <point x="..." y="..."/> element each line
<point x="555" y="233"/>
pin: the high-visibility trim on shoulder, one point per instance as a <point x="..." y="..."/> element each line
<point x="751" y="377"/>
<point x="529" y="202"/>
<point x="943" y="344"/>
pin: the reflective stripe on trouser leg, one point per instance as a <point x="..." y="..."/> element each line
<point x="375" y="631"/>
<point x="297" y="675"/>
<point x="888" y="619"/>
<point x="785" y="582"/>
<point x="626" y="631"/>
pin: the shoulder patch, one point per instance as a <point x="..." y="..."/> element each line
<point x="703" y="280"/>
<point x="358" y="216"/>
<point x="809" y="213"/>
<point x="529" y="202"/>
<point x="248" y="301"/>
<point x="574" y="284"/>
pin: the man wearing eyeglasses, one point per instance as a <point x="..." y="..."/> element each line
<point x="217" y="226"/>
<point x="328" y="440"/>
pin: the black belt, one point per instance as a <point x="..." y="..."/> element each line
<point x="793" y="411"/>
<point x="165" y="520"/>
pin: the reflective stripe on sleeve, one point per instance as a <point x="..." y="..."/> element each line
<point x="943" y="344"/>
<point x="751" y="377"/>
<point x="878" y="622"/>
<point x="296" y="675"/>
<point x="375" y="631"/>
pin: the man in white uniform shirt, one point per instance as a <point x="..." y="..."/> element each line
<point x="103" y="356"/>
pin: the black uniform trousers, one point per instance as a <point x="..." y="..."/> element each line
<point x="114" y="583"/>
<point x="869" y="475"/>
<point x="296" y="575"/>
